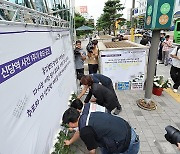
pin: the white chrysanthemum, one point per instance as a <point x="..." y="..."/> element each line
<point x="156" y="84"/>
<point x="69" y="103"/>
<point x="72" y="93"/>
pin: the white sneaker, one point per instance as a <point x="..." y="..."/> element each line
<point x="175" y="90"/>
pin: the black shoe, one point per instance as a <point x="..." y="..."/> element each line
<point x="117" y="110"/>
<point x="161" y="63"/>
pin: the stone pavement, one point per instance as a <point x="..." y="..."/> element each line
<point x="150" y="125"/>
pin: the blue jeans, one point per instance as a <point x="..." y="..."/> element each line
<point x="133" y="147"/>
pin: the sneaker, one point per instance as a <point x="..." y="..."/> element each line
<point x="175" y="90"/>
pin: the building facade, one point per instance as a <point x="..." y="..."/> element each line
<point x="83" y="10"/>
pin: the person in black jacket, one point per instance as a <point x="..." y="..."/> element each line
<point x="112" y="134"/>
<point x="104" y="96"/>
<point x="98" y="78"/>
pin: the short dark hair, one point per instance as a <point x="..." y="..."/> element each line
<point x="87" y="80"/>
<point x="77" y="104"/>
<point x="70" y="115"/>
<point x="167" y="36"/>
<point x="95" y="42"/>
<point x="78" y="41"/>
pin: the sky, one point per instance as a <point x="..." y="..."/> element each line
<point x="95" y="7"/>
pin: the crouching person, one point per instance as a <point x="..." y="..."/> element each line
<point x="97" y="129"/>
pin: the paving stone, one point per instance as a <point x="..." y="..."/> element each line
<point x="160" y="136"/>
<point x="144" y="125"/>
<point x="155" y="150"/>
<point x="142" y="137"/>
<point x="148" y="133"/>
<point x="151" y="141"/>
<point x="140" y="118"/>
<point x="156" y="129"/>
<point x="165" y="147"/>
<point x="148" y="117"/>
<point x="137" y="113"/>
<point x="145" y="147"/>
<point x="178" y="124"/>
<point x="175" y="119"/>
<point x="162" y="104"/>
<point x="158" y="119"/>
<point x="152" y="122"/>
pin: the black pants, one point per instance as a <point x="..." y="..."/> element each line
<point x="160" y="53"/>
<point x="175" y="75"/>
<point x="110" y="87"/>
<point x="93" y="68"/>
<point x="79" y="71"/>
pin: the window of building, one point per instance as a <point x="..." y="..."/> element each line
<point x="178" y="26"/>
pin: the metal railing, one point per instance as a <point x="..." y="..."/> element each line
<point x="16" y="14"/>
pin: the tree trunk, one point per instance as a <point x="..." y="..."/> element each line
<point x="109" y="30"/>
<point x="114" y="29"/>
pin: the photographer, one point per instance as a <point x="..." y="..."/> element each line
<point x="173" y="136"/>
<point x="80" y="57"/>
<point x="93" y="54"/>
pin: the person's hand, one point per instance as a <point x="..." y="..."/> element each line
<point x="67" y="142"/>
<point x="178" y="146"/>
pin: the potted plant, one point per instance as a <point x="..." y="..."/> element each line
<point x="159" y="84"/>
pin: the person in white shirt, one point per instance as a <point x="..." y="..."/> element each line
<point x="167" y="44"/>
<point x="175" y="68"/>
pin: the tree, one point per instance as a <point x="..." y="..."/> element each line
<point x="103" y="23"/>
<point x="128" y="24"/>
<point x="111" y="13"/>
<point x="122" y="22"/>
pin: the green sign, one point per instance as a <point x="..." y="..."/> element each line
<point x="159" y="14"/>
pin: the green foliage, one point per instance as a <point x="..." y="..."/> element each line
<point x="59" y="147"/>
<point x="128" y="23"/>
<point x="110" y="15"/>
<point x="72" y="97"/>
<point x="122" y="22"/>
<point x="159" y="82"/>
<point x="80" y="21"/>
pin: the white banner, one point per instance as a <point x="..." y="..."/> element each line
<point x="36" y="78"/>
<point x="123" y="65"/>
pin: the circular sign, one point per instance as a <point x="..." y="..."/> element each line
<point x="148" y="21"/>
<point x="165" y="8"/>
<point x="163" y="19"/>
<point x="149" y="10"/>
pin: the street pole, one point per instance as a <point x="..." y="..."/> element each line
<point x="132" y="21"/>
<point x="151" y="65"/>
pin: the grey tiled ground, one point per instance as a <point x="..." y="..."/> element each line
<point x="148" y="124"/>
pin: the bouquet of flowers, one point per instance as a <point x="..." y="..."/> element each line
<point x="159" y="82"/>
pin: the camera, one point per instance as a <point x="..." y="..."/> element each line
<point x="173" y="135"/>
<point x="90" y="47"/>
<point x="76" y="51"/>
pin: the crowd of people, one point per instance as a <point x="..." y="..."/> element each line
<point x="165" y="52"/>
<point x="95" y="118"/>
